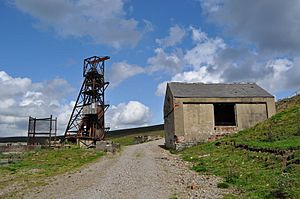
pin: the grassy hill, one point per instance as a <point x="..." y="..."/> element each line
<point x="287" y="103"/>
<point x="260" y="162"/>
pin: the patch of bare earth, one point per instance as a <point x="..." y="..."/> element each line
<point x="139" y="171"/>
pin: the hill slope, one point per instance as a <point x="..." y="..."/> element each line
<point x="285" y="103"/>
<point x="261" y="162"/>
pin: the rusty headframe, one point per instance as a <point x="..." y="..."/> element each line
<point x="87" y="119"/>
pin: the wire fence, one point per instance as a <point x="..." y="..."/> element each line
<point x="41" y="131"/>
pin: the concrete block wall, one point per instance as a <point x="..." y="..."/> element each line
<point x="192" y="119"/>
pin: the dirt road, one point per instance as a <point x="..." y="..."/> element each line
<point x="140" y="171"/>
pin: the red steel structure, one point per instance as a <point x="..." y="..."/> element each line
<point x="87" y="119"/>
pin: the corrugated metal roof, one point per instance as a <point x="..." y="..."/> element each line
<point x="199" y="90"/>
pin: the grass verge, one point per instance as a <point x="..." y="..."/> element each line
<point x="35" y="166"/>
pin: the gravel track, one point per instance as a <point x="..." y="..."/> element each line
<point x="143" y="171"/>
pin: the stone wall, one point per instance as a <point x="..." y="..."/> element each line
<point x="250" y="114"/>
<point x="169" y="120"/>
<point x="198" y="121"/>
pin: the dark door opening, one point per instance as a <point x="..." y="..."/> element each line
<point x="224" y="114"/>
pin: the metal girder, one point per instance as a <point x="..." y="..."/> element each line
<point x="87" y="118"/>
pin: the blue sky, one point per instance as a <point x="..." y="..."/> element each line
<point x="43" y="44"/>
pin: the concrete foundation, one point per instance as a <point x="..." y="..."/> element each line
<point x="107" y="146"/>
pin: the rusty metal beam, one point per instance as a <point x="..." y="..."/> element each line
<point x="87" y="118"/>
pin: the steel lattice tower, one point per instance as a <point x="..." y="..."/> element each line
<point x="87" y="119"/>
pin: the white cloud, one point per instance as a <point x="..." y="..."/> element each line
<point x="19" y="85"/>
<point x="7" y="103"/>
<point x="176" y="34"/>
<point x="103" y="21"/>
<point x="198" y="35"/>
<point x="164" y="61"/>
<point x="121" y="71"/>
<point x="279" y="66"/>
<point x="201" y="57"/>
<point x="24" y="98"/>
<point x="271" y="25"/>
<point x="32" y="98"/>
<point x="161" y="88"/>
<point x="265" y="46"/>
<point x="200" y="75"/>
<point x="128" y="115"/>
<point x="205" y="51"/>
<point x="277" y="78"/>
<point x="212" y="61"/>
<point x="168" y="62"/>
<point x="64" y="114"/>
<point x="210" y="6"/>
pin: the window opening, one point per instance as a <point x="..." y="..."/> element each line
<point x="224" y="114"/>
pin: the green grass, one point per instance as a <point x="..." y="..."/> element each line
<point x="124" y="141"/>
<point x="282" y="131"/>
<point x="255" y="174"/>
<point x="35" y="166"/>
<point x="129" y="139"/>
<point x="174" y="196"/>
<point x="250" y="171"/>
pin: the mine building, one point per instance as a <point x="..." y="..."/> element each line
<point x="197" y="112"/>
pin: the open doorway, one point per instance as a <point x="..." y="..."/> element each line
<point x="224" y="114"/>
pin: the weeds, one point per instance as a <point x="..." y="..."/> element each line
<point x="283" y="186"/>
<point x="232" y="174"/>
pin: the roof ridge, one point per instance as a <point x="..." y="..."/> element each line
<point x="223" y="83"/>
<point x="222" y="90"/>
